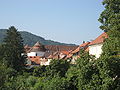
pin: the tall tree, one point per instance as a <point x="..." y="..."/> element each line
<point x="1" y="52"/>
<point x="13" y="45"/>
<point x="110" y="17"/>
<point x="109" y="63"/>
<point x="57" y="67"/>
<point x="87" y="72"/>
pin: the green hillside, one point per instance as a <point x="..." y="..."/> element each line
<point x="31" y="39"/>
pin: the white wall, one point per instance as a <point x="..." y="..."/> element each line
<point x="31" y="54"/>
<point x="45" y="63"/>
<point x="40" y="53"/>
<point x="36" y="53"/>
<point x="95" y="50"/>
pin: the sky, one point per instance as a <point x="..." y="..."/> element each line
<point x="66" y="21"/>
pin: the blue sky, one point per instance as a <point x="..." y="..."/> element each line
<point x="67" y="21"/>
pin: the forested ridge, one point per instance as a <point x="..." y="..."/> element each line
<point x="30" y="39"/>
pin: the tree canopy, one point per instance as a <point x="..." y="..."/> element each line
<point x="13" y="49"/>
<point x="110" y="17"/>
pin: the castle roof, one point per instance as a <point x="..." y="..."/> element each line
<point x="37" y="47"/>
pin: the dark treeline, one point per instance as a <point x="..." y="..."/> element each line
<point x="88" y="73"/>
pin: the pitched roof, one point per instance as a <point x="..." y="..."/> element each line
<point x="85" y="44"/>
<point x="27" y="48"/>
<point x="76" y="50"/>
<point x="38" y="44"/>
<point x="60" y="47"/>
<point x="69" y="56"/>
<point x="37" y="47"/>
<point x="50" y="57"/>
<point x="65" y="52"/>
<point x="99" y="39"/>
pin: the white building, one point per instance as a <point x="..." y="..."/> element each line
<point x="95" y="47"/>
<point x="37" y="50"/>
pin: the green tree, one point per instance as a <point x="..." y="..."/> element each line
<point x="21" y="82"/>
<point x="13" y="49"/>
<point x="39" y="71"/>
<point x="1" y="52"/>
<point x="86" y="71"/>
<point x="56" y="83"/>
<point x="109" y="63"/>
<point x="57" y="67"/>
<point x="5" y="74"/>
<point x="72" y="76"/>
<point x="110" y="17"/>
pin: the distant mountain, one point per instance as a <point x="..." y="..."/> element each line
<point x="31" y="39"/>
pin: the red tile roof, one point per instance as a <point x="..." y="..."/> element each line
<point x="27" y="48"/>
<point x="50" y="57"/>
<point x="65" y="52"/>
<point x="60" y="47"/>
<point x="69" y="56"/>
<point x="99" y="39"/>
<point x="85" y="44"/>
<point x="76" y="50"/>
<point x="37" y="47"/>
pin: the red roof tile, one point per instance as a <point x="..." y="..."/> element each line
<point x="69" y="56"/>
<point x="50" y="57"/>
<point x="37" y="47"/>
<point x="65" y="52"/>
<point x="85" y="44"/>
<point x="99" y="39"/>
<point x="76" y="50"/>
<point x="60" y="47"/>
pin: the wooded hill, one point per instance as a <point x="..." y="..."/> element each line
<point x="31" y="39"/>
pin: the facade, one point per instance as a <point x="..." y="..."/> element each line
<point x="35" y="54"/>
<point x="37" y="50"/>
<point x="44" y="61"/>
<point x="96" y="50"/>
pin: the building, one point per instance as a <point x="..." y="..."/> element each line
<point x="42" y="54"/>
<point x="75" y="54"/>
<point x="95" y="47"/>
<point x="37" y="50"/>
<point x="35" y="54"/>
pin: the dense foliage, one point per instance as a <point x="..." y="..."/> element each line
<point x="110" y="17"/>
<point x="13" y="49"/>
<point x="109" y="62"/>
